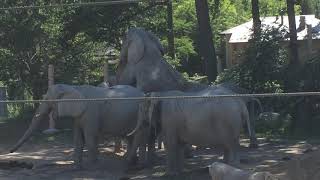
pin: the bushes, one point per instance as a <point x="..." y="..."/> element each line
<point x="265" y="70"/>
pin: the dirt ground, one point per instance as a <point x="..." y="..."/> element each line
<point x="50" y="157"/>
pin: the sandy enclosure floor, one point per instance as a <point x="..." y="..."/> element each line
<point x="52" y="159"/>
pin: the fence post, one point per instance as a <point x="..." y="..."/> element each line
<point x="106" y="71"/>
<point x="117" y="141"/>
<point x="309" y="40"/>
<point x="3" y="106"/>
<point x="52" y="124"/>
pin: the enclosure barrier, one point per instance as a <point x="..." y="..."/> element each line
<point x="295" y="94"/>
<point x="104" y="3"/>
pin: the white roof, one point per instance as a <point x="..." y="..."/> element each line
<point x="243" y="32"/>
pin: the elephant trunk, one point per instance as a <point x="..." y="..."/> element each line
<point x="141" y="116"/>
<point x="34" y="124"/>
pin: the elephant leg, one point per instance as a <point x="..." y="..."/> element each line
<point x="133" y="145"/>
<point x="180" y="158"/>
<point x="172" y="154"/>
<point x="159" y="140"/>
<point x="151" y="155"/>
<point x="188" y="151"/>
<point x="231" y="155"/>
<point x="91" y="139"/>
<point x="78" y="144"/>
<point x="252" y="118"/>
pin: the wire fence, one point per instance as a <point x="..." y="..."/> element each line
<point x="295" y="94"/>
<point x="103" y="3"/>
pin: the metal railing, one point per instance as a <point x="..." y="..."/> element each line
<point x="295" y="94"/>
<point x="101" y="3"/>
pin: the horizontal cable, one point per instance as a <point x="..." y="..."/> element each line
<point x="170" y="97"/>
<point x="104" y="3"/>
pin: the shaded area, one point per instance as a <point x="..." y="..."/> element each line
<point x="50" y="157"/>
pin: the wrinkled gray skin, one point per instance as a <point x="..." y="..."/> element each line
<point x="91" y="119"/>
<point x="201" y="122"/>
<point x="221" y="171"/>
<point x="142" y="65"/>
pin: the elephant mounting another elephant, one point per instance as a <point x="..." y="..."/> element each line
<point x="91" y="118"/>
<point x="142" y="65"/>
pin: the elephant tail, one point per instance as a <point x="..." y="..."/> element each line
<point x="259" y="104"/>
<point x="246" y="119"/>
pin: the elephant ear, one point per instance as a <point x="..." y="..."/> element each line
<point x="156" y="41"/>
<point x="136" y="48"/>
<point x="71" y="109"/>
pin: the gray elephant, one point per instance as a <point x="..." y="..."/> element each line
<point x="91" y="118"/>
<point x="142" y="65"/>
<point x="202" y="122"/>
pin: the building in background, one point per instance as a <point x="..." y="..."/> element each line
<point x="236" y="38"/>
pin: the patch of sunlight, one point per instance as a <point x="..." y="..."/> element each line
<point x="64" y="162"/>
<point x="120" y="153"/>
<point x="158" y="174"/>
<point x="68" y="151"/>
<point x="270" y="161"/>
<point x="32" y="157"/>
<point x="294" y="151"/>
<point x="139" y="177"/>
<point x="262" y="166"/>
<point x="51" y="138"/>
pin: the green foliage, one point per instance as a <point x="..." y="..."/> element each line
<point x="264" y="61"/>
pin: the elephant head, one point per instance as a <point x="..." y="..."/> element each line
<point x="136" y="44"/>
<point x="142" y="64"/>
<point x="70" y="109"/>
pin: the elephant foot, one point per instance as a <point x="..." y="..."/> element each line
<point x="134" y="168"/>
<point x="253" y="145"/>
<point x="78" y="167"/>
<point x="188" y="154"/>
<point x="173" y="175"/>
<point x="132" y="161"/>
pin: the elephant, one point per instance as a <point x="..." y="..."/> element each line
<point x="92" y="119"/>
<point x="221" y="171"/>
<point x="201" y="122"/>
<point x="142" y="65"/>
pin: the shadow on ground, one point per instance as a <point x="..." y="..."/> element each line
<point x="50" y="157"/>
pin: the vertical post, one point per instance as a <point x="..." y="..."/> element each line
<point x="309" y="40"/>
<point x="50" y="75"/>
<point x="170" y="29"/>
<point x="52" y="123"/>
<point x="228" y="51"/>
<point x="117" y="141"/>
<point x="106" y="71"/>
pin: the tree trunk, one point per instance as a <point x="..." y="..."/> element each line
<point x="305" y="7"/>
<point x="293" y="46"/>
<point x="293" y="71"/>
<point x="206" y="46"/>
<point x="256" y="18"/>
<point x="170" y="30"/>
